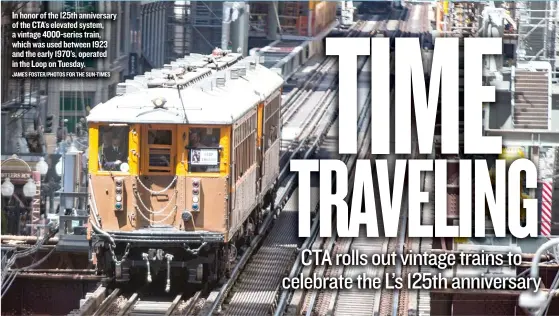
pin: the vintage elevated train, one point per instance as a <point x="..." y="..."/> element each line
<point x="182" y="163"/>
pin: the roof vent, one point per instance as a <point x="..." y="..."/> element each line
<point x="234" y="74"/>
<point x="220" y="82"/>
<point x="121" y="88"/>
<point x="242" y="71"/>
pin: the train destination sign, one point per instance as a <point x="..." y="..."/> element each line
<point x="204" y="157"/>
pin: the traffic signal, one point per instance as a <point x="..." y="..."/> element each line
<point x="48" y="123"/>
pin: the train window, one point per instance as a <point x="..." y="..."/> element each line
<point x="272" y="122"/>
<point x="160" y="137"/>
<point x="245" y="146"/>
<point x="159" y="150"/>
<point x="204" y="149"/>
<point x="113" y="147"/>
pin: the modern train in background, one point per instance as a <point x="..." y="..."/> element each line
<point x="346" y="13"/>
<point x="373" y="7"/>
<point x="182" y="164"/>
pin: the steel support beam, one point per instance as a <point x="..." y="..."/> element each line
<point x="526" y="137"/>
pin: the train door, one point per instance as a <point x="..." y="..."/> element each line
<point x="156" y="187"/>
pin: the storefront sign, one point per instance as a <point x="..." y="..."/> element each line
<point x="16" y="175"/>
<point x="36" y="204"/>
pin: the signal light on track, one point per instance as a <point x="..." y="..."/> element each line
<point x="118" y="205"/>
<point x="48" y="123"/>
<point x="195" y="206"/>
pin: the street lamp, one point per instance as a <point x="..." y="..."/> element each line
<point x="42" y="166"/>
<point x="7" y="188"/>
<point x="30" y="188"/>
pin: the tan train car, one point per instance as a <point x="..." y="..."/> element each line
<point x="181" y="166"/>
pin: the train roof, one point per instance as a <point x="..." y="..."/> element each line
<point x="215" y="93"/>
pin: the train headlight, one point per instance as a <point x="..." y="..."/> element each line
<point x="118" y="205"/>
<point x="118" y="198"/>
<point x="124" y="167"/>
<point x="195" y="199"/>
<point x="159" y="102"/>
<point x="195" y="207"/>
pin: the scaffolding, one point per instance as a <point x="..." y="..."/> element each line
<point x="258" y="23"/>
<point x="179" y="26"/>
<point x="206" y="22"/>
<point x="460" y="18"/>
<point x="537" y="37"/>
<point x="292" y="17"/>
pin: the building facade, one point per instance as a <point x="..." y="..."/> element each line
<point x="70" y="99"/>
<point x="23" y="100"/>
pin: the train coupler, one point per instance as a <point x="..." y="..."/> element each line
<point x="146" y="259"/>
<point x="169" y="257"/>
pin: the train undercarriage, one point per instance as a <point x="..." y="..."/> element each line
<point x="173" y="257"/>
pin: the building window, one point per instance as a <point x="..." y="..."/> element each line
<point x="73" y="103"/>
<point x="82" y="7"/>
<point x="112" y="90"/>
<point x="113" y="147"/>
<point x="73" y="107"/>
<point x="121" y="17"/>
<point x="113" y="37"/>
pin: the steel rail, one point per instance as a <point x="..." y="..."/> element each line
<point x="400" y="298"/>
<point x="287" y="192"/>
<point x="350" y="160"/>
<point x="324" y="66"/>
<point x="101" y="309"/>
<point x="353" y="303"/>
<point x="129" y="303"/>
<point x="280" y="202"/>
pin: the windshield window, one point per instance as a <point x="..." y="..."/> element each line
<point x="204" y="149"/>
<point x="160" y="143"/>
<point x="113" y="147"/>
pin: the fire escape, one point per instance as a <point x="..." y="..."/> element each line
<point x="23" y="100"/>
<point x="206" y="23"/>
<point x="178" y="24"/>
